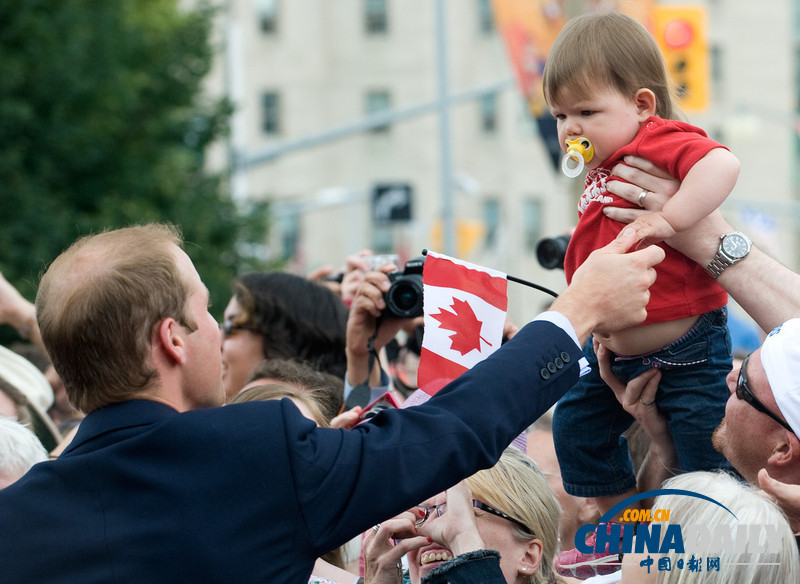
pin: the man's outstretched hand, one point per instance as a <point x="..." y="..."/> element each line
<point x="610" y="291"/>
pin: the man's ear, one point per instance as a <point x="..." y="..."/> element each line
<point x="169" y="337"/>
<point x="645" y="101"/>
<point x="785" y="451"/>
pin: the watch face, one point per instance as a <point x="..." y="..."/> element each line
<point x="735" y="245"/>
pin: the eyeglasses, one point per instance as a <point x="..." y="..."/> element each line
<point x="228" y="328"/>
<point x="744" y="392"/>
<point x="442" y="507"/>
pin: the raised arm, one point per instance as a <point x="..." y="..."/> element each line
<point x="471" y="420"/>
<point x="763" y="287"/>
<point x="365" y="313"/>
<point x="702" y="191"/>
<point x="19" y="313"/>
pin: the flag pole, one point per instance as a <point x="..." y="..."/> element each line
<point x="532" y="285"/>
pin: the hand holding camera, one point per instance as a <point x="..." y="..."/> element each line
<point x="367" y="308"/>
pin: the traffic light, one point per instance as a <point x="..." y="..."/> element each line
<point x="681" y="34"/>
<point x="469" y="234"/>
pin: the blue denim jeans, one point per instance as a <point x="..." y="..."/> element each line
<point x="589" y="421"/>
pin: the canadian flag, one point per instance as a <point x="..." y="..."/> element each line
<point x="465" y="311"/>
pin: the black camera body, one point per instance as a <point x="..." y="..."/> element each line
<point x="550" y="252"/>
<point x="404" y="297"/>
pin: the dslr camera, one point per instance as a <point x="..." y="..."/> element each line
<point x="404" y="297"/>
<point x="550" y="251"/>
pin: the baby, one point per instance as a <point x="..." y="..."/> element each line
<point x="607" y="86"/>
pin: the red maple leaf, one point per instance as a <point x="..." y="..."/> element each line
<point x="465" y="325"/>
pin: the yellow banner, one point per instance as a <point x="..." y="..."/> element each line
<point x="529" y="28"/>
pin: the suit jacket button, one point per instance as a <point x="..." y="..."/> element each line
<point x="559" y="363"/>
<point x="552" y="367"/>
<point x="544" y="373"/>
<point x="565" y="356"/>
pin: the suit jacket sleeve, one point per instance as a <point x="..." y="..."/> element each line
<point x="347" y="480"/>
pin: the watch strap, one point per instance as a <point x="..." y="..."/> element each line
<point x="717" y="265"/>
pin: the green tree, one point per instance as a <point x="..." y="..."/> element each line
<point x="104" y="123"/>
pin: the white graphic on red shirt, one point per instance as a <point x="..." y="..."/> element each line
<point x="595" y="189"/>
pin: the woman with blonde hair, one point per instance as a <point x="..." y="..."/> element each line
<point x="499" y="526"/>
<point x="751" y="509"/>
<point x="713" y="532"/>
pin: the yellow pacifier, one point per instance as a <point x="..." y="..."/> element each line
<point x="579" y="152"/>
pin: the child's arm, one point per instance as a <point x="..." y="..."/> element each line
<point x="704" y="188"/>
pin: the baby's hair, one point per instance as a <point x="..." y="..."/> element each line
<point x="614" y="50"/>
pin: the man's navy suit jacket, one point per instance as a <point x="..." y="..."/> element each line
<point x="255" y="492"/>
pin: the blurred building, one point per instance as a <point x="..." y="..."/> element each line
<point x="306" y="74"/>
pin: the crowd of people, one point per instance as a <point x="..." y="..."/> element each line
<point x="152" y="443"/>
<point x="305" y="495"/>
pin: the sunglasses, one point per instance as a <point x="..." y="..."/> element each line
<point x="442" y="507"/>
<point x="745" y="393"/>
<point x="229" y="328"/>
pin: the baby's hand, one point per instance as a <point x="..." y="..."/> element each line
<point x="652" y="228"/>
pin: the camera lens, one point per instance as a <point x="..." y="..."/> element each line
<point x="404" y="298"/>
<point x="551" y="251"/>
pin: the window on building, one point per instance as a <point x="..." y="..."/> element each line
<point x="489" y="113"/>
<point x="289" y="228"/>
<point x="532" y="223"/>
<point x="271" y="113"/>
<point x="491" y="220"/>
<point x="797" y="66"/>
<point x="267" y="11"/>
<point x="796" y="37"/>
<point x="717" y="77"/>
<point x="485" y="17"/>
<point x="376" y="16"/>
<point x="378" y="100"/>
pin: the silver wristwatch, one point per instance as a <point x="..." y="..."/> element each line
<point x="733" y="248"/>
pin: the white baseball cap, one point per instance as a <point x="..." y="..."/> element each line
<point x="780" y="355"/>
